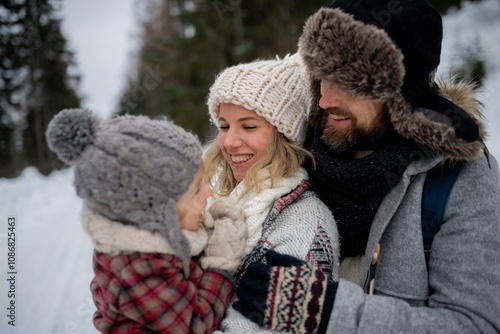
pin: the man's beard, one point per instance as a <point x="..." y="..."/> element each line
<point x="354" y="138"/>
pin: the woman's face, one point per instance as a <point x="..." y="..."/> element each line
<point x="243" y="137"/>
<point x="192" y="203"/>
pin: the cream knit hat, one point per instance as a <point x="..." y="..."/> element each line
<point x="274" y="89"/>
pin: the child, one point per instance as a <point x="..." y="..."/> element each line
<point x="143" y="190"/>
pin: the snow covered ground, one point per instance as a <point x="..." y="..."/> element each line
<point x="477" y="26"/>
<point x="53" y="254"/>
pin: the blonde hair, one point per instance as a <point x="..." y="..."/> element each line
<point x="283" y="158"/>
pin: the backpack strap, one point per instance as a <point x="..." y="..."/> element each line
<point x="437" y="188"/>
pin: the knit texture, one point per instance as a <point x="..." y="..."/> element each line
<point x="130" y="169"/>
<point x="354" y="188"/>
<point x="274" y="89"/>
<point x="256" y="206"/>
<point x="318" y="237"/>
<point x="286" y="294"/>
<point x="226" y="226"/>
<point x="295" y="298"/>
<point x="298" y="225"/>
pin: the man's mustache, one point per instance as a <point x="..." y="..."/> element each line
<point x="342" y="112"/>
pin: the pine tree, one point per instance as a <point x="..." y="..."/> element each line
<point x="35" y="81"/>
<point x="185" y="43"/>
<point x="11" y="66"/>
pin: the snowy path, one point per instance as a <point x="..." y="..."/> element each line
<point x="53" y="256"/>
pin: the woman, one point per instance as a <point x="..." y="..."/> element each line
<point x="255" y="161"/>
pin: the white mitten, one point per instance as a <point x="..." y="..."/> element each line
<point x="228" y="234"/>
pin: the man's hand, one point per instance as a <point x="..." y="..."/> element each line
<point x="287" y="295"/>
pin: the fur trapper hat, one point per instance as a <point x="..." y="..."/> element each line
<point x="130" y="169"/>
<point x="362" y="59"/>
<point x="275" y="89"/>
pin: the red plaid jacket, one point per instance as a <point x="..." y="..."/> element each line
<point x="148" y="293"/>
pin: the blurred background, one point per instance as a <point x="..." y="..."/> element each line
<point x="150" y="57"/>
<point x="58" y="54"/>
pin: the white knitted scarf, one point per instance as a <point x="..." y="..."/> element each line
<point x="256" y="206"/>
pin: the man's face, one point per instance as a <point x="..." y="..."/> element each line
<point x="351" y="123"/>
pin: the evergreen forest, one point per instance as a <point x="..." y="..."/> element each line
<point x="183" y="45"/>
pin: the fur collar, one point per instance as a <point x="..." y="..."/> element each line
<point x="114" y="237"/>
<point x="365" y="62"/>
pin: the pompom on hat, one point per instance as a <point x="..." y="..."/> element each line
<point x="130" y="169"/>
<point x="274" y="89"/>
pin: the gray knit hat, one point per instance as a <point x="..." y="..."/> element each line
<point x="275" y="89"/>
<point x="130" y="169"/>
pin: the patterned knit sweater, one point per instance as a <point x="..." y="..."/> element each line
<point x="299" y="224"/>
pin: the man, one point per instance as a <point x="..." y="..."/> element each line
<point x="378" y="125"/>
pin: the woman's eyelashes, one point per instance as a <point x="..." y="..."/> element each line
<point x="225" y="127"/>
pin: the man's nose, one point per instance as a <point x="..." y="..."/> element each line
<point x="329" y="97"/>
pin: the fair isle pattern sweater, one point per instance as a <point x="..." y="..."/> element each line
<point x="300" y="225"/>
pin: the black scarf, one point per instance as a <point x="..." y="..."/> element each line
<point x="354" y="188"/>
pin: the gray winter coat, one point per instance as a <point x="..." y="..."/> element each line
<point x="462" y="288"/>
